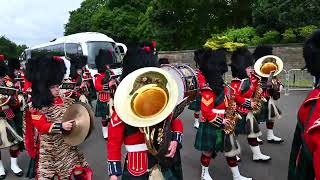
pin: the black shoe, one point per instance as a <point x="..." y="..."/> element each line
<point x="2" y="177"/>
<point x="19" y="174"/>
<point x="272" y="141"/>
<point x="262" y="160"/>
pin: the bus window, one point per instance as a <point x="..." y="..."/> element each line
<point x="73" y="49"/>
<point x="93" y="50"/>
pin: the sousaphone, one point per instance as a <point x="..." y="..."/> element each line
<point x="267" y="65"/>
<point x="148" y="99"/>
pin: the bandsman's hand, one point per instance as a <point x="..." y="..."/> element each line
<point x="68" y="125"/>
<point x="172" y="149"/>
<point x="113" y="177"/>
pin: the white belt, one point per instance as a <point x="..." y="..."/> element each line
<point x="136" y="147"/>
<point x="4" y="107"/>
<point x="218" y="111"/>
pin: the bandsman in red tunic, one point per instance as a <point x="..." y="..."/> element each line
<point x="55" y="156"/>
<point x="141" y="163"/>
<point x="245" y="84"/>
<point x="271" y="91"/>
<point x="105" y="86"/>
<point x="211" y="137"/>
<point x="305" y="151"/>
<point x="9" y="138"/>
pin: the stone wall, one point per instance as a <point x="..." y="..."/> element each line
<point x="290" y="54"/>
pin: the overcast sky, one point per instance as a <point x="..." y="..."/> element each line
<point x="33" y="22"/>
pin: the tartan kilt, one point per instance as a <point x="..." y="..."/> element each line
<point x="264" y="113"/>
<point x="102" y="109"/>
<point x="196" y="104"/>
<point x="209" y="138"/>
<point x="241" y="125"/>
<point x="173" y="173"/>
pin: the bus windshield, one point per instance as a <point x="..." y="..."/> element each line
<point x="93" y="50"/>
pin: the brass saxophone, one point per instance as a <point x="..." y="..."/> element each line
<point x="231" y="113"/>
<point x="258" y="99"/>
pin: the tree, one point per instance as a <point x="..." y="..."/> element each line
<point x="9" y="49"/>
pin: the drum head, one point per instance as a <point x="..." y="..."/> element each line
<point x="176" y="74"/>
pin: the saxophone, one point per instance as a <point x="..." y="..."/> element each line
<point x="258" y="98"/>
<point x="231" y="113"/>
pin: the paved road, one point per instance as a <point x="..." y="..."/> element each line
<point x="94" y="149"/>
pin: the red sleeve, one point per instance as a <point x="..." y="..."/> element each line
<point x="115" y="138"/>
<point x="207" y="104"/>
<point x="98" y="82"/>
<point x="236" y="86"/>
<point x="40" y="122"/>
<point x="316" y="160"/>
<point x="27" y="85"/>
<point x="176" y="125"/>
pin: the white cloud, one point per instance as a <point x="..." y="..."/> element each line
<point x="33" y="22"/>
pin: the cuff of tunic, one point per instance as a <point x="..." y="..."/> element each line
<point x="247" y="103"/>
<point x="218" y="122"/>
<point x="177" y="136"/>
<point x="114" y="168"/>
<point x="56" y="128"/>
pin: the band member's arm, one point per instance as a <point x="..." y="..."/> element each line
<point x="39" y="120"/>
<point x="98" y="83"/>
<point x="314" y="132"/>
<point x="240" y="100"/>
<point x="207" y="106"/>
<point x="177" y="129"/>
<point x="115" y="141"/>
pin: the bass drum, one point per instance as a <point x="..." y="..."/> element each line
<point x="186" y="78"/>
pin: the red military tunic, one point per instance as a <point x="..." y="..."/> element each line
<point x="244" y="91"/>
<point x="104" y="96"/>
<point x="137" y="152"/>
<point x="214" y="113"/>
<point x="305" y="152"/>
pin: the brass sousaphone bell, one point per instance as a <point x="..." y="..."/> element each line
<point x="268" y="64"/>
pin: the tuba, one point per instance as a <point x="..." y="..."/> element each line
<point x="148" y="99"/>
<point x="267" y="65"/>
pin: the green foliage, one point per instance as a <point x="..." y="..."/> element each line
<point x="289" y="36"/>
<point x="242" y="35"/>
<point x="256" y="40"/>
<point x="304" y="32"/>
<point x="271" y="37"/>
<point x="9" y="49"/>
<point x="222" y="42"/>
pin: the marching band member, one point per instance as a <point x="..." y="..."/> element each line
<point x="245" y="85"/>
<point x="269" y="113"/>
<point x="56" y="157"/>
<point x="210" y="136"/>
<point x="8" y="135"/>
<point x="305" y="151"/>
<point x="79" y="77"/>
<point x="104" y="85"/>
<point x="17" y="77"/>
<point x="140" y="163"/>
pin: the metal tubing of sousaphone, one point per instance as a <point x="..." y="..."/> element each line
<point x="82" y="126"/>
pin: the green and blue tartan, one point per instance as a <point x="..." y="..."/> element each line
<point x="209" y="138"/>
<point x="241" y="125"/>
<point x="263" y="116"/>
<point x="16" y="124"/>
<point x="196" y="104"/>
<point x="102" y="109"/>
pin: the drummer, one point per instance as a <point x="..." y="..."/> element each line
<point x="56" y="157"/>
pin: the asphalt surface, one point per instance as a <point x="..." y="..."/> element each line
<point x="96" y="154"/>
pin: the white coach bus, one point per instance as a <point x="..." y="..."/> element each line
<point x="85" y="44"/>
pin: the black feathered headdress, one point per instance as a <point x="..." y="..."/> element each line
<point x="213" y="65"/>
<point x="262" y="50"/>
<point x="138" y="57"/>
<point x="3" y="69"/>
<point x="311" y="53"/>
<point x="241" y="58"/>
<point x="44" y="72"/>
<point x="103" y="58"/>
<point x="77" y="62"/>
<point x="13" y="64"/>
